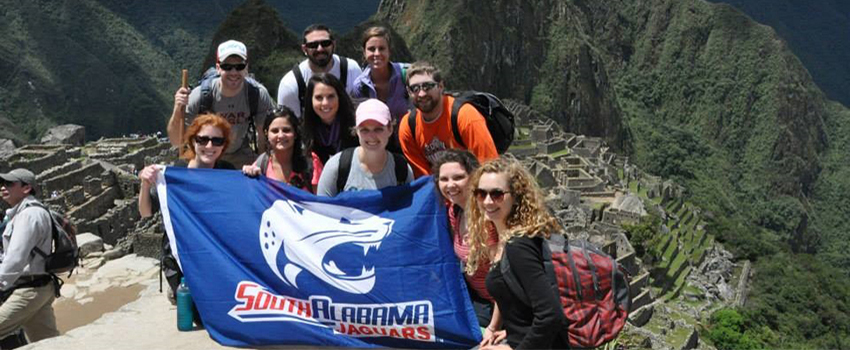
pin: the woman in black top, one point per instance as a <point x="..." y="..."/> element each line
<point x="328" y="118"/>
<point x="507" y="198"/>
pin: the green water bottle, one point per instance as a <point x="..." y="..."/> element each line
<point x="184" y="307"/>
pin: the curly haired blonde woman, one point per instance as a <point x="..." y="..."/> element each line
<point x="506" y="197"/>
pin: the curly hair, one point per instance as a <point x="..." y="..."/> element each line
<point x="187" y="149"/>
<point x="529" y="215"/>
<point x="453" y="155"/>
<point x="299" y="158"/>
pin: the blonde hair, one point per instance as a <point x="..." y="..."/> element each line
<point x="528" y="216"/>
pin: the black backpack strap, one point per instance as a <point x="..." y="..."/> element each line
<point x="302" y="86"/>
<point x="254" y="105"/>
<point x="344" y="168"/>
<point x="262" y="162"/>
<point x="364" y="90"/>
<point x="206" y="102"/>
<point x="511" y="279"/>
<point x="459" y="101"/>
<point x="400" y="168"/>
<point x="343" y="71"/>
<point x="411" y="122"/>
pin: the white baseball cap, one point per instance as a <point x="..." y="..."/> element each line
<point x="232" y="47"/>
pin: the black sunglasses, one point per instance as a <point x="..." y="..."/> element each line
<point x="229" y="67"/>
<point x="203" y="140"/>
<point x="315" y="44"/>
<point x="426" y="86"/>
<point x="496" y="195"/>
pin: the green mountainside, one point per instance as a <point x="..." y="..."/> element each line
<point x="690" y="90"/>
<point x="816" y="30"/>
<point x="113" y="65"/>
<point x="696" y="92"/>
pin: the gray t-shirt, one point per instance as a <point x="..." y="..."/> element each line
<point x="235" y="109"/>
<point x="358" y="179"/>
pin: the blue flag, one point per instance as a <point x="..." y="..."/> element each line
<point x="270" y="264"/>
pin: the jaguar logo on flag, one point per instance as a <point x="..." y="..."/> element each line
<point x="309" y="232"/>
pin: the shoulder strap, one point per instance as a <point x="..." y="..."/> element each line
<point x="253" y="96"/>
<point x="511" y="279"/>
<point x="400" y="168"/>
<point x="459" y="101"/>
<point x="54" y="233"/>
<point x="206" y="102"/>
<point x="404" y="76"/>
<point x="344" y="168"/>
<point x="254" y="106"/>
<point x="302" y="86"/>
<point x="364" y="90"/>
<point x="343" y="71"/>
<point x="263" y="162"/>
<point x="411" y="122"/>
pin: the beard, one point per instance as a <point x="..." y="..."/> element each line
<point x="426" y="105"/>
<point x="322" y="60"/>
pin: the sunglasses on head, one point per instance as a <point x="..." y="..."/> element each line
<point x="426" y="86"/>
<point x="203" y="140"/>
<point x="232" y="66"/>
<point x="323" y="43"/>
<point x="496" y="194"/>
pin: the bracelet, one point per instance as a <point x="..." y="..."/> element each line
<point x="491" y="329"/>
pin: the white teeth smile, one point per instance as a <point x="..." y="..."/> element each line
<point x="332" y="268"/>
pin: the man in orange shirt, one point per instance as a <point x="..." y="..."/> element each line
<point x="433" y="131"/>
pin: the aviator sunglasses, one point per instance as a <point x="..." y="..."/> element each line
<point x="229" y="66"/>
<point x="315" y="44"/>
<point x="496" y="194"/>
<point x="203" y="140"/>
<point x="426" y="86"/>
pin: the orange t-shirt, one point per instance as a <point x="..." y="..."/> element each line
<point x="431" y="138"/>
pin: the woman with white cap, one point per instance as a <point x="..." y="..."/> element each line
<point x="369" y="166"/>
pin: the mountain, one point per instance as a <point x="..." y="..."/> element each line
<point x="112" y="65"/>
<point x="816" y="31"/>
<point x="694" y="91"/>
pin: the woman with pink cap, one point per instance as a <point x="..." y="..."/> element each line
<point x="369" y="166"/>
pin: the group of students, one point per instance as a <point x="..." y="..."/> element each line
<point x="495" y="209"/>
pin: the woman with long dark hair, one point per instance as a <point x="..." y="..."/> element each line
<point x="328" y="117"/>
<point x="284" y="159"/>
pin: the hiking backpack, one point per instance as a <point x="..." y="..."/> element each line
<point x="65" y="255"/>
<point x="500" y="121"/>
<point x="253" y="87"/>
<point x="347" y="157"/>
<point x="592" y="287"/>
<point x="302" y="85"/>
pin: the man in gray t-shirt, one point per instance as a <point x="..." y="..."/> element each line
<point x="230" y="100"/>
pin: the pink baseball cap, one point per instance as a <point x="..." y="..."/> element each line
<point x="373" y="109"/>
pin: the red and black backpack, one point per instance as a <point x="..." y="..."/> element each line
<point x="592" y="287"/>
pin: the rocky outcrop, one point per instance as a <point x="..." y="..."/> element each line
<point x="68" y="134"/>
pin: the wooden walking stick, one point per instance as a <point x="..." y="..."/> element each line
<point x="184" y="84"/>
